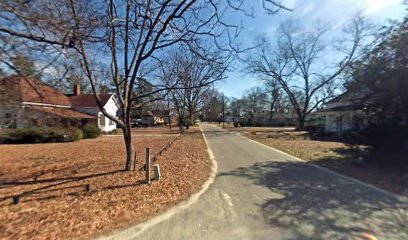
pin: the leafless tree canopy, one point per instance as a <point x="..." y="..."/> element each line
<point x="191" y="78"/>
<point x="297" y="62"/>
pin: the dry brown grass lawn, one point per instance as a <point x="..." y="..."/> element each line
<point x="51" y="180"/>
<point x="335" y="155"/>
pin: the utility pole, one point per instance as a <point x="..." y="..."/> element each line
<point x="168" y="109"/>
<point x="223" y="110"/>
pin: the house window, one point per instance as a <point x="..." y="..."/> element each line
<point x="102" y="120"/>
<point x="9" y="121"/>
<point x="111" y="122"/>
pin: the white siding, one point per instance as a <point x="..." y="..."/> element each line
<point x="112" y="109"/>
<point x="341" y="121"/>
<point x="104" y="123"/>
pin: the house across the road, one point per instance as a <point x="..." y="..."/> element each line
<point x="343" y="113"/>
<point x="28" y="102"/>
<point x="156" y="117"/>
<point x="263" y="118"/>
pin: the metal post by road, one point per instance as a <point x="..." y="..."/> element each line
<point x="223" y="110"/>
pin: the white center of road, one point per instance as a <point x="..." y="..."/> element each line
<point x="227" y="198"/>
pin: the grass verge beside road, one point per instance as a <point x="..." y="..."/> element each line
<point x="351" y="160"/>
<point x="52" y="178"/>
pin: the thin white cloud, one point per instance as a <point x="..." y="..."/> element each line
<point x="373" y="7"/>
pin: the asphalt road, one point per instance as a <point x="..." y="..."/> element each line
<point x="261" y="193"/>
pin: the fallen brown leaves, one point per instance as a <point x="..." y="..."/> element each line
<point x="52" y="180"/>
<point x="306" y="149"/>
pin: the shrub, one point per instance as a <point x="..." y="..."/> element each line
<point x="314" y="129"/>
<point x="40" y="135"/>
<point x="243" y="123"/>
<point x="187" y="122"/>
<point x="385" y="136"/>
<point x="236" y="124"/>
<point x="75" y="134"/>
<point x="91" y="131"/>
<point x="387" y="142"/>
<point x="113" y="132"/>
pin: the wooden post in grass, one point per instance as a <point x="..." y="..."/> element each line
<point x="148" y="165"/>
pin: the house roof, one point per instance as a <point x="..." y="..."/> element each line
<point x="349" y="96"/>
<point x="346" y="101"/>
<point x="350" y="107"/>
<point x="26" y="89"/>
<point x="339" y="98"/>
<point x="60" y="112"/>
<point x="88" y="100"/>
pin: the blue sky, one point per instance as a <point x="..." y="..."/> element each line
<point x="334" y="12"/>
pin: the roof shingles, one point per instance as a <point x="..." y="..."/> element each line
<point x="88" y="100"/>
<point x="38" y="96"/>
<point x="61" y="112"/>
<point x="24" y="89"/>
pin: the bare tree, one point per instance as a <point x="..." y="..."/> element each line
<point x="191" y="78"/>
<point x="127" y="34"/>
<point x="298" y="63"/>
<point x="273" y="89"/>
<point x="213" y="105"/>
<point x="254" y="103"/>
<point x="236" y="108"/>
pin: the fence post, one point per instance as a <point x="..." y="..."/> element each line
<point x="148" y="165"/>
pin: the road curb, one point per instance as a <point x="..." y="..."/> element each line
<point x="136" y="230"/>
<point x="385" y="192"/>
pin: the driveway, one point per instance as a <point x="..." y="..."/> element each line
<point x="261" y="193"/>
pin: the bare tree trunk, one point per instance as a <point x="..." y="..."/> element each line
<point x="301" y="122"/>
<point x="181" y="123"/>
<point x="127" y="135"/>
<point x="271" y="114"/>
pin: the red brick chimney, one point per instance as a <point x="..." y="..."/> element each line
<point x="77" y="90"/>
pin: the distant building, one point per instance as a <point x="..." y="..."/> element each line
<point x="263" y="118"/>
<point x="156" y="117"/>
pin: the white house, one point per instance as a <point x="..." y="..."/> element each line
<point x="86" y="103"/>
<point x="343" y="113"/>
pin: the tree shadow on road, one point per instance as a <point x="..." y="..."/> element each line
<point x="320" y="205"/>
